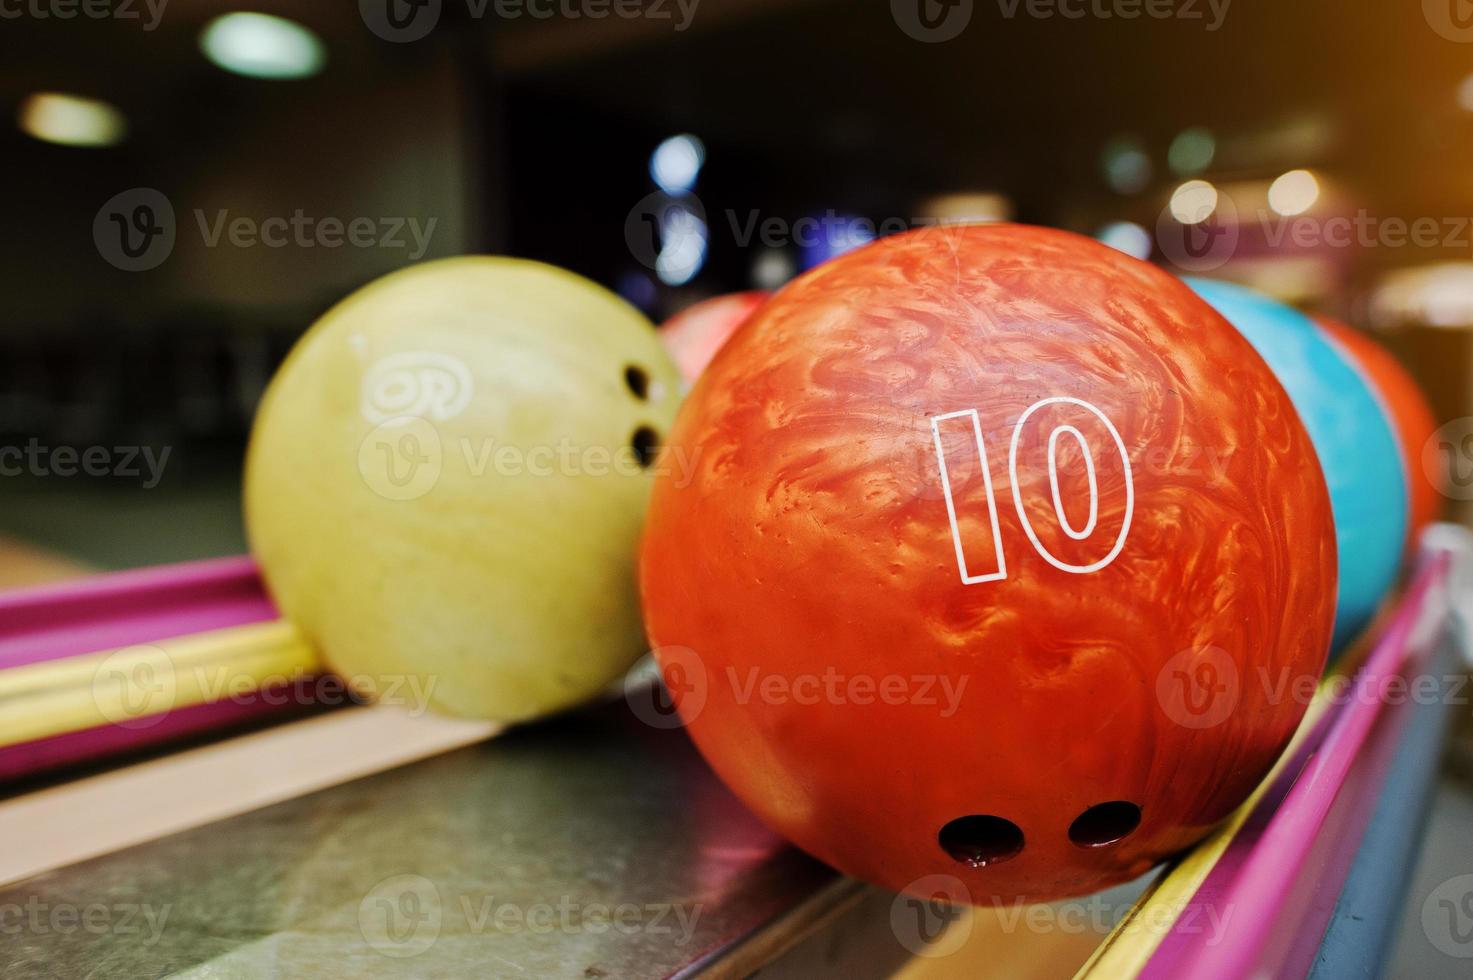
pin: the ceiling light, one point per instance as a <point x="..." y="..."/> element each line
<point x="71" y="120"/>
<point x="262" y="46"/>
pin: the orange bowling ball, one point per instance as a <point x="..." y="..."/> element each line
<point x="995" y="548"/>
<point x="696" y="333"/>
<point x="1411" y="416"/>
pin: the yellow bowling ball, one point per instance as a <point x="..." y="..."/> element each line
<point x="446" y="481"/>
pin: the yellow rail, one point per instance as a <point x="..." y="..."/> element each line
<point x="136" y="686"/>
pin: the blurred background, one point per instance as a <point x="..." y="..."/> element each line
<point x="193" y="182"/>
<point x="264" y="166"/>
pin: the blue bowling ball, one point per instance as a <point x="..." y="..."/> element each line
<point x="1353" y="437"/>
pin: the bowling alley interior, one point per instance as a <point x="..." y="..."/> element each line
<point x="718" y="488"/>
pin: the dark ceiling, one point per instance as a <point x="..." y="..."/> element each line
<point x="1018" y="102"/>
<point x="1027" y="104"/>
<point x="810" y="104"/>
